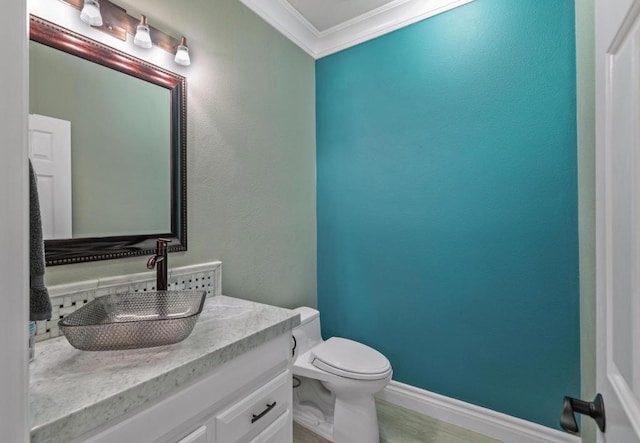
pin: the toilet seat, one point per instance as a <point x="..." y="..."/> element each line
<point x="350" y="359"/>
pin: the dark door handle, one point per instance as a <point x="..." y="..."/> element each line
<point x="255" y="418"/>
<point x="594" y="409"/>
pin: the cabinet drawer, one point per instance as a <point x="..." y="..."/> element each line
<point x="277" y="432"/>
<point x="197" y="436"/>
<point x="255" y="411"/>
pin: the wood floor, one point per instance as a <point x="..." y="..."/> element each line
<point x="302" y="435"/>
<point x="399" y="425"/>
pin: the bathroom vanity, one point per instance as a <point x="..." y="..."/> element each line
<point x="230" y="381"/>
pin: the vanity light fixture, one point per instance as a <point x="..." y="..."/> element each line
<point x="119" y="24"/>
<point x="91" y="13"/>
<point x="142" y="37"/>
<point x="182" y="53"/>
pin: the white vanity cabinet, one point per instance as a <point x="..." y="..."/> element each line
<point x="245" y="400"/>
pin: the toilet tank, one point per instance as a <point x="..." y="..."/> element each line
<point x="307" y="335"/>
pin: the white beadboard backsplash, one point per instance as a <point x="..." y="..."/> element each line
<point x="67" y="298"/>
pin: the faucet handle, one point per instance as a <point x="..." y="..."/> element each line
<point x="151" y="263"/>
<point x="161" y="252"/>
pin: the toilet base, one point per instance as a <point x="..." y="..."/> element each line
<point x="355" y="420"/>
<point x="359" y="423"/>
<point x="313" y="407"/>
<point x="307" y="421"/>
<point x="348" y="419"/>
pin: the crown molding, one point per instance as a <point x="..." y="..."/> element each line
<point x="387" y="18"/>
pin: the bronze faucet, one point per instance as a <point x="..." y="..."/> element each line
<point x="160" y="262"/>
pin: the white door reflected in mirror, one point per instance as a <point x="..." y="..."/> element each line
<point x="50" y="154"/>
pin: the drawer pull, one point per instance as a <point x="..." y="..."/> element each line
<point x="255" y="418"/>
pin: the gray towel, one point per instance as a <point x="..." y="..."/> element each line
<point x="39" y="301"/>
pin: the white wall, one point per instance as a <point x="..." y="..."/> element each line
<point x="14" y="225"/>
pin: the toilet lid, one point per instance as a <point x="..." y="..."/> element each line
<point x="350" y="359"/>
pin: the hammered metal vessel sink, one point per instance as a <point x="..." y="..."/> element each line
<point x="133" y="320"/>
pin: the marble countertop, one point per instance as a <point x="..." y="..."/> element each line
<point x="72" y="391"/>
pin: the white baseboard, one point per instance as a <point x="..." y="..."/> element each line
<point x="474" y="418"/>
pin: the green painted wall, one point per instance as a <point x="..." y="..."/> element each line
<point x="120" y="142"/>
<point x="585" y="88"/>
<point x="251" y="155"/>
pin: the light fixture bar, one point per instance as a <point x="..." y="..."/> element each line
<point x="117" y="23"/>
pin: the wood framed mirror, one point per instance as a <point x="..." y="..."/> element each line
<point x="129" y="171"/>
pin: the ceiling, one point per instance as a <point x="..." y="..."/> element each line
<point x="322" y="27"/>
<point x="326" y="14"/>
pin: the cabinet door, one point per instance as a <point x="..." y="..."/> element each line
<point x="280" y="431"/>
<point x="197" y="436"/>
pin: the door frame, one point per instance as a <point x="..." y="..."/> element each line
<point x="14" y="225"/>
<point x="586" y="117"/>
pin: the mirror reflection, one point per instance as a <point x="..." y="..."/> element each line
<point x="119" y="148"/>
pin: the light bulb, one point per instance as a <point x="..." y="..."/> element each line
<point x="91" y="13"/>
<point x="182" y="53"/>
<point x="142" y="37"/>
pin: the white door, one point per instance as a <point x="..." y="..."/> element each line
<point x="50" y="154"/>
<point x="618" y="217"/>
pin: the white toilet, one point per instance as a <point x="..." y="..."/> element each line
<point x="334" y="383"/>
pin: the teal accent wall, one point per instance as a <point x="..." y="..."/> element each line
<point x="447" y="203"/>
